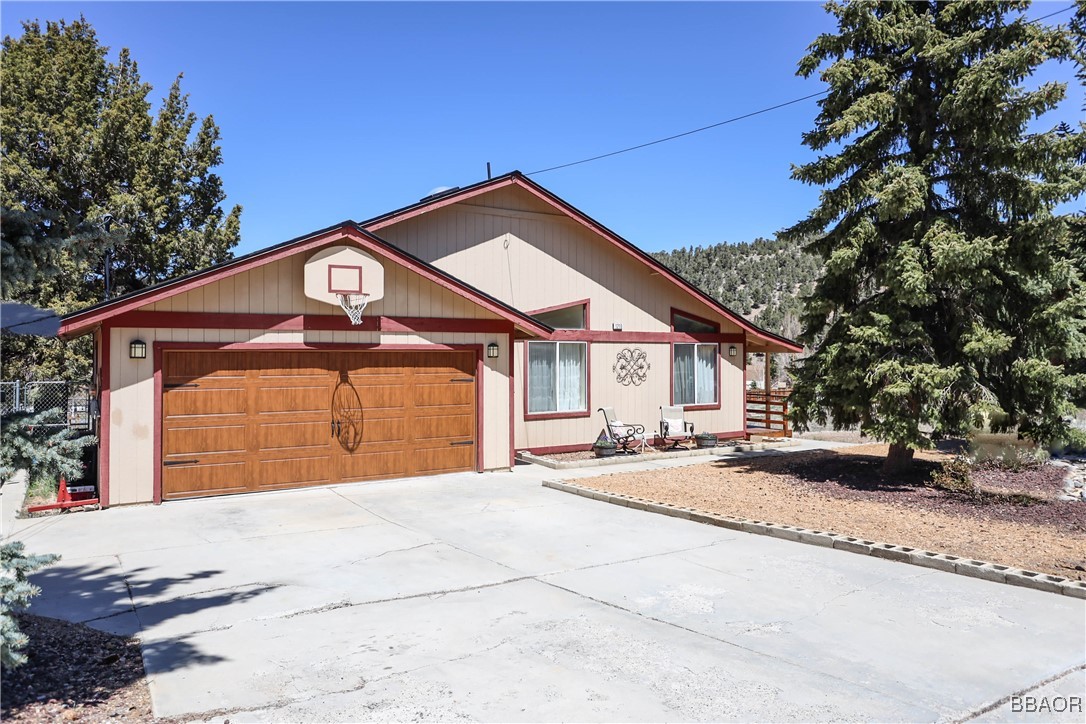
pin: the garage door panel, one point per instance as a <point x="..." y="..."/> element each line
<point x="186" y="367"/>
<point x="310" y="399"/>
<point x="206" y="439"/>
<point x="372" y="364"/>
<point x="292" y="365"/>
<point x="392" y="430"/>
<point x="294" y="471"/>
<point x="379" y="397"/>
<point x="294" y="435"/>
<point x="185" y="481"/>
<point x="194" y="401"/>
<point x="459" y="394"/>
<point x="363" y="465"/>
<point x="446" y="458"/>
<point x="443" y="427"/>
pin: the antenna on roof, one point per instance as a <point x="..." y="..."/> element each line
<point x="488" y="170"/>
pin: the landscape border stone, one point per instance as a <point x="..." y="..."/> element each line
<point x="984" y="570"/>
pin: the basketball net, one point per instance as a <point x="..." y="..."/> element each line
<point x="354" y="305"/>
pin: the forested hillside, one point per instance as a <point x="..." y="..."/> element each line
<point x="763" y="280"/>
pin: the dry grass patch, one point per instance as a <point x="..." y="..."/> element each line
<point x="1016" y="522"/>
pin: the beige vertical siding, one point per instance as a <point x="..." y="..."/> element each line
<point x="277" y="288"/>
<point x="532" y="260"/>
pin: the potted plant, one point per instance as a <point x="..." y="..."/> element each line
<point x="705" y="439"/>
<point x="604" y="448"/>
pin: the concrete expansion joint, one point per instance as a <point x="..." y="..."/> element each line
<point x="984" y="570"/>
<point x="1017" y="694"/>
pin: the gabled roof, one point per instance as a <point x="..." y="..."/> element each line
<point x="364" y="234"/>
<point x="77" y="323"/>
<point x="516" y="178"/>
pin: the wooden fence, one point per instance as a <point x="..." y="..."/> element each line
<point x="768" y="417"/>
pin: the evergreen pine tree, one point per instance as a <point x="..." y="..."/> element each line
<point x="948" y="282"/>
<point x="80" y="144"/>
<point x="15" y="594"/>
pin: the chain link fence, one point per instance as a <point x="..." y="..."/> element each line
<point x="69" y="403"/>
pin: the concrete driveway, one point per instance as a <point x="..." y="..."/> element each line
<point x="489" y="597"/>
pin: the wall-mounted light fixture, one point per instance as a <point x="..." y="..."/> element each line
<point x="137" y="349"/>
<point x="732" y="351"/>
<point x="492" y="350"/>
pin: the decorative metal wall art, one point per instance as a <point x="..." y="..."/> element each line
<point x="631" y="366"/>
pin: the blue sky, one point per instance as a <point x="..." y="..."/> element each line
<point x="331" y="111"/>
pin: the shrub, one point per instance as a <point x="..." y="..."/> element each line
<point x="1074" y="443"/>
<point x="1009" y="457"/>
<point x="955" y="476"/>
<point x="45" y="452"/>
<point x="15" y="594"/>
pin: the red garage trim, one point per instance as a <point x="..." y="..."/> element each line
<point x="512" y="391"/>
<point x="301" y="322"/>
<point x="161" y="347"/>
<point x="587" y="412"/>
<point x="743" y="388"/>
<point x="104" y="422"/>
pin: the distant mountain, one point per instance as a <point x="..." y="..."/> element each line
<point x="764" y="280"/>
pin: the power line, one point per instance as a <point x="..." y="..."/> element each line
<point x="680" y="135"/>
<point x="727" y="121"/>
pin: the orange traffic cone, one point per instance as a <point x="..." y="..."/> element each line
<point x="63" y="496"/>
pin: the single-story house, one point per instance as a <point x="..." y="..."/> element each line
<point x="499" y="318"/>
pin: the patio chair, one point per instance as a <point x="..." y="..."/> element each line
<point x="674" y="428"/>
<point x="623" y="434"/>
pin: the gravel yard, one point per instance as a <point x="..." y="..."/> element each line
<point x="845" y="492"/>
<point x="75" y="673"/>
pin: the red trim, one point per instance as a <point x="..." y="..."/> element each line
<point x="337" y="322"/>
<point x="479" y="382"/>
<point x="80" y="322"/>
<point x="586" y="303"/>
<point x="356" y="290"/>
<point x="104" y="418"/>
<point x="161" y="347"/>
<point x="719" y="392"/>
<point x="695" y="317"/>
<point x="743" y="388"/>
<point x="587" y="412"/>
<point x="512" y="392"/>
<point x="158" y="348"/>
<point x="580" y="335"/>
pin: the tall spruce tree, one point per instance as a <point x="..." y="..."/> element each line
<point x="80" y="144"/>
<point x="950" y="284"/>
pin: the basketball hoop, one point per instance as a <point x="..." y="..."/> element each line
<point x="354" y="305"/>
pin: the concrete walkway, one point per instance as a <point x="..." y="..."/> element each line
<point x="489" y="597"/>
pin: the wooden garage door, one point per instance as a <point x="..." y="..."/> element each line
<point x="235" y="421"/>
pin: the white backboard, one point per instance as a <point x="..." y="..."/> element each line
<point x="343" y="270"/>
